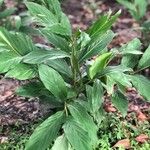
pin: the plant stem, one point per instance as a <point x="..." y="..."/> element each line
<point x="65" y="108"/>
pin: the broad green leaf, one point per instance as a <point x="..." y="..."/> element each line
<point x="99" y="64"/>
<point x="62" y="28"/>
<point x="61" y="66"/>
<point x="32" y="89"/>
<point x="127" y="4"/>
<point x="66" y="23"/>
<point x="111" y="69"/>
<point x="120" y="102"/>
<point x="94" y="96"/>
<point x="61" y="143"/>
<point x="22" y="72"/>
<point x="121" y="78"/>
<point x="19" y="43"/>
<point x="54" y="20"/>
<point x="46" y="132"/>
<point x="54" y="6"/>
<point x="52" y="101"/>
<point x="127" y="60"/>
<point x="57" y="41"/>
<point x="7" y="12"/>
<point x="110" y="85"/>
<point x="96" y="45"/>
<point x="136" y="7"/>
<point x="80" y="115"/>
<point x="142" y="84"/>
<point x="42" y="56"/>
<point x="103" y="24"/>
<point x="145" y="60"/>
<point x="77" y="136"/>
<point x="83" y="39"/>
<point x="8" y="60"/>
<point x="58" y="29"/>
<point x="134" y="52"/>
<point x="53" y="81"/>
<point x="42" y="14"/>
<point x="141" y="8"/>
<point x="1" y="1"/>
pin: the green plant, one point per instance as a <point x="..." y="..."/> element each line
<point x="63" y="77"/>
<point x="137" y="8"/>
<point x="14" y="19"/>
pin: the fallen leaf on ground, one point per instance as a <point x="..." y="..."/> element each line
<point x="141" y="117"/>
<point x="125" y="143"/>
<point x="142" y="138"/>
<point x="109" y="108"/>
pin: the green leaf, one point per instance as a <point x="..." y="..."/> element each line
<point x="99" y="64"/>
<point x="110" y="85"/>
<point x="53" y="102"/>
<point x="134" y="52"/>
<point x="77" y="136"/>
<point x="1" y="2"/>
<point x="61" y="143"/>
<point x="127" y="4"/>
<point x="61" y="66"/>
<point x="83" y="39"/>
<point x="8" y="60"/>
<point x="103" y="24"/>
<point x="58" y="29"/>
<point x="22" y="72"/>
<point x="121" y="78"/>
<point x="32" y="89"/>
<point x="54" y="19"/>
<point x="136" y="7"/>
<point x="111" y="69"/>
<point x="120" y="102"/>
<point x="141" y="8"/>
<point x="42" y="56"/>
<point x="46" y="132"/>
<point x="42" y="14"/>
<point x="145" y="60"/>
<point x="80" y="115"/>
<point x="94" y="96"/>
<point x="7" y="12"/>
<point x="66" y="23"/>
<point x="53" y="81"/>
<point x="142" y="84"/>
<point x="96" y="45"/>
<point x="55" y="7"/>
<point x="62" y="28"/>
<point x="18" y="43"/>
<point x="56" y="40"/>
<point x="127" y="60"/>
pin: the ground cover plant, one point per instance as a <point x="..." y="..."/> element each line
<point x="138" y="11"/>
<point x="137" y="8"/>
<point x="61" y="73"/>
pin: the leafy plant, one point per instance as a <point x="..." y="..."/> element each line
<point x="63" y="77"/>
<point x="137" y="8"/>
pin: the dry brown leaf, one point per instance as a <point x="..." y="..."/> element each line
<point x="141" y="117"/>
<point x="109" y="108"/>
<point x="142" y="138"/>
<point x="125" y="143"/>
